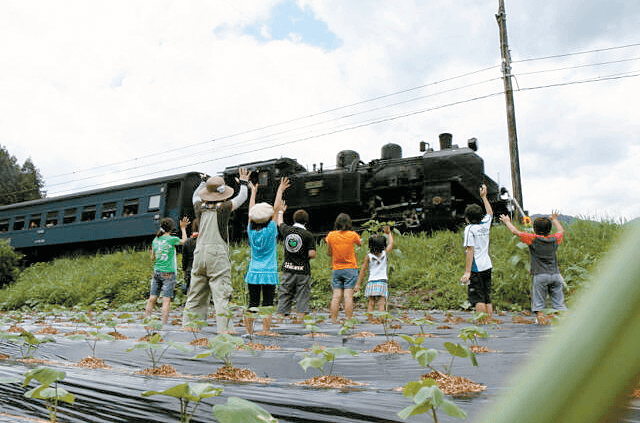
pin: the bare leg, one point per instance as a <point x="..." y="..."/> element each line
<point x="489" y="310"/>
<point x="381" y="304"/>
<point x="348" y="303"/>
<point x="166" y="308"/>
<point x="335" y="304"/>
<point x="150" y="304"/>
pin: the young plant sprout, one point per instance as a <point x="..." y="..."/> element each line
<point x="421" y="321"/>
<point x="92" y="339"/>
<point x="156" y="348"/>
<point x="187" y="392"/>
<point x="51" y="395"/>
<point x="324" y="356"/>
<point x="426" y="396"/>
<point x="472" y="333"/>
<point x="26" y="341"/>
<point x="223" y="346"/>
<point x="348" y="325"/>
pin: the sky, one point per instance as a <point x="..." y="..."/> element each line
<point x="102" y="93"/>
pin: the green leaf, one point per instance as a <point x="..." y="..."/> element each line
<point x="44" y="375"/>
<point x="413" y="410"/>
<point x="453" y="410"/>
<point x="424" y="357"/>
<point x="238" y="410"/>
<point x="45" y="392"/>
<point x="188" y="391"/>
<point x="317" y="362"/>
<point x="457" y="349"/>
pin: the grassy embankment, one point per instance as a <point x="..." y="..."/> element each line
<point x="425" y="273"/>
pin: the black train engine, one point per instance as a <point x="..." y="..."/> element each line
<point x="419" y="193"/>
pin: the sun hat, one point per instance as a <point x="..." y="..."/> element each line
<point x="261" y="213"/>
<point x="215" y="190"/>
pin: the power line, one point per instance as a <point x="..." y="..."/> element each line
<point x="576" y="53"/>
<point x="347" y="126"/>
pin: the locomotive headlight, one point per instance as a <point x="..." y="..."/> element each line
<point x="437" y="200"/>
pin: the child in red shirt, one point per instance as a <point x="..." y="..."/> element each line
<point x="544" y="263"/>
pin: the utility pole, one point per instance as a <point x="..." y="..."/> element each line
<point x="511" y="114"/>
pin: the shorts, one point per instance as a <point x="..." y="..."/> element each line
<point x="480" y="287"/>
<point x="163" y="284"/>
<point x="294" y="287"/>
<point x="378" y="288"/>
<point x="268" y="292"/>
<point x="344" y="278"/>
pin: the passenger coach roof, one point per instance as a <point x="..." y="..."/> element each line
<point x="100" y="190"/>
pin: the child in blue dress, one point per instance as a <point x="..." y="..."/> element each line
<point x="262" y="275"/>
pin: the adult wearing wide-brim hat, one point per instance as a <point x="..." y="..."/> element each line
<point x="211" y="270"/>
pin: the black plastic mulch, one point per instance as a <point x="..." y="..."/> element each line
<point x="114" y="395"/>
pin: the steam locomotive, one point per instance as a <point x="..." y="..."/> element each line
<point x="419" y="193"/>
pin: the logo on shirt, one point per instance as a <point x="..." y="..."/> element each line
<point x="293" y="243"/>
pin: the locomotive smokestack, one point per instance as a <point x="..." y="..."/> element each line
<point x="445" y="141"/>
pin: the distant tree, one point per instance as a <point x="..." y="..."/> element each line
<point x="18" y="183"/>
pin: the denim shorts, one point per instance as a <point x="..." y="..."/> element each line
<point x="163" y="284"/>
<point x="344" y="278"/>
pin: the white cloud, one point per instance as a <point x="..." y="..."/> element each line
<point x="87" y="84"/>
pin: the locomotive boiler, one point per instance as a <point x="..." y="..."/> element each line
<point x="419" y="193"/>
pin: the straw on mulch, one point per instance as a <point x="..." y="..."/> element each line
<point x="93" y="363"/>
<point x="329" y="381"/>
<point x="454" y="385"/>
<point x="48" y="330"/>
<point x="389" y="347"/>
<point x="164" y="370"/>
<point x="237" y="375"/>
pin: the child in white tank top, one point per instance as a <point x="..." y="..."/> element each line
<point x="376" y="261"/>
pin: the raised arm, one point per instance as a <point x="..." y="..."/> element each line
<point x="389" y="234"/>
<point x="556" y="222"/>
<point x="184" y="222"/>
<point x="252" y="198"/>
<point x="284" y="184"/>
<point x="238" y="200"/>
<point x="507" y="222"/>
<point x="485" y="200"/>
<point x="278" y="213"/>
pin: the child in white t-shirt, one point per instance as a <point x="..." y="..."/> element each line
<point x="477" y="272"/>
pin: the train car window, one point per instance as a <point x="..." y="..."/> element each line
<point x="69" y="216"/>
<point x="34" y="221"/>
<point x="154" y="203"/>
<point x="263" y="178"/>
<point x="18" y="223"/>
<point x="4" y="225"/>
<point x="130" y="207"/>
<point x="88" y="213"/>
<point x="52" y="219"/>
<point x="108" y="210"/>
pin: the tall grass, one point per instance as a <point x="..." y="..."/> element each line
<point x="425" y="271"/>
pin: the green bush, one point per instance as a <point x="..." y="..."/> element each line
<point x="9" y="263"/>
